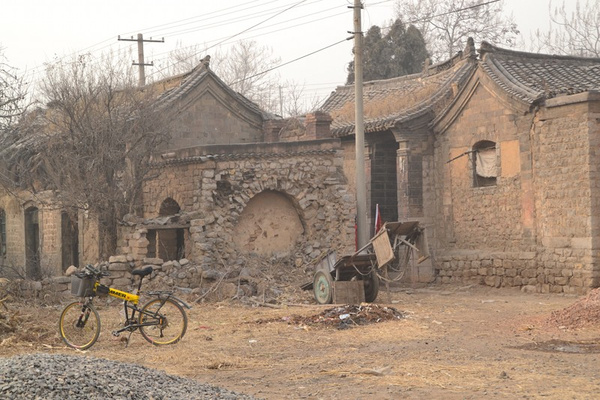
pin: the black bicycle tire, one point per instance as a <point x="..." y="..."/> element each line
<point x="68" y="330"/>
<point x="145" y="330"/>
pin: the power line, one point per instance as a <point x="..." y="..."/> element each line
<point x="233" y="20"/>
<point x="245" y="30"/>
<point x="289" y="62"/>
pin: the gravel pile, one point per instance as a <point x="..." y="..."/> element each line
<point x="59" y="376"/>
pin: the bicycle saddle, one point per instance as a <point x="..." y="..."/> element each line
<point x="143" y="272"/>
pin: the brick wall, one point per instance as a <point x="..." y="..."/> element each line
<point x="210" y="116"/>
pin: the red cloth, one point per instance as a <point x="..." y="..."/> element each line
<point x="378" y="221"/>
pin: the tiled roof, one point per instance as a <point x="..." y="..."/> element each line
<point x="192" y="79"/>
<point x="532" y="77"/>
<point x="529" y="77"/>
<point x="392" y="101"/>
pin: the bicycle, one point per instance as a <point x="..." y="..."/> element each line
<point x="161" y="321"/>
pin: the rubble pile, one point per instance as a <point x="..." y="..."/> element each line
<point x="584" y="312"/>
<point x="345" y="316"/>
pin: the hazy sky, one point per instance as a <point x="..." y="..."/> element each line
<point x="36" y="31"/>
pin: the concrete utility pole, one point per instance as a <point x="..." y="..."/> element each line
<point x="140" y="41"/>
<point x="361" y="186"/>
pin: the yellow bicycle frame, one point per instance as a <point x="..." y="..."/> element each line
<point x="120" y="294"/>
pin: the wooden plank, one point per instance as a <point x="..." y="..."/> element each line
<point x="348" y="292"/>
<point x="383" y="248"/>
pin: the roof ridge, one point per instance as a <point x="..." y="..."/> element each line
<point x="486" y="47"/>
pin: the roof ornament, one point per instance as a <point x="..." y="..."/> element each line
<point x="470" y="51"/>
<point x="426" y="65"/>
<point x="205" y="61"/>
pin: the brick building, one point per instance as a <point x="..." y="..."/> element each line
<point x="235" y="181"/>
<point x="496" y="153"/>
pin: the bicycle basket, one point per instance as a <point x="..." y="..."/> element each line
<point x="82" y="285"/>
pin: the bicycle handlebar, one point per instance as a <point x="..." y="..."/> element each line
<point x="96" y="272"/>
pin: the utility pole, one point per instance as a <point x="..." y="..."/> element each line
<point x="361" y="186"/>
<point x="140" y="41"/>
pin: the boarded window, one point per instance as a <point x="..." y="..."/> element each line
<point x="485" y="164"/>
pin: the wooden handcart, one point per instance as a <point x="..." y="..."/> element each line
<point x="386" y="257"/>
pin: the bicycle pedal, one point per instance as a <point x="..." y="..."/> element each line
<point x="116" y="334"/>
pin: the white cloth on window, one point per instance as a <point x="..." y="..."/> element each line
<point x="486" y="163"/>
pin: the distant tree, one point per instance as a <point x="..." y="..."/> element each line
<point x="399" y="52"/>
<point x="446" y="24"/>
<point x="246" y="68"/>
<point x="576" y="33"/>
<point x="91" y="144"/>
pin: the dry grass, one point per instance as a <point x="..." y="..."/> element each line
<point x="453" y="344"/>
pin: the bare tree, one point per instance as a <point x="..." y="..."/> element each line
<point x="295" y="101"/>
<point x="446" y="24"/>
<point x="92" y="143"/>
<point x="247" y="68"/>
<point x="12" y="95"/>
<point x="182" y="60"/>
<point x="576" y="33"/>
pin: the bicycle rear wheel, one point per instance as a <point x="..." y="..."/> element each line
<point x="164" y="322"/>
<point x="79" y="325"/>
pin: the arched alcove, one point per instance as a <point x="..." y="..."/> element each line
<point x="169" y="207"/>
<point x="268" y="224"/>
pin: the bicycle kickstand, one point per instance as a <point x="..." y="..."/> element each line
<point x="128" y="339"/>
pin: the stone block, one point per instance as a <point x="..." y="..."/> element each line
<point x="529" y="289"/>
<point x="119" y="266"/>
<point x="153" y="261"/>
<point x="121" y="283"/>
<point x="581" y="243"/>
<point x="117" y="259"/>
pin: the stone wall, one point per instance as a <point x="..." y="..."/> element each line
<point x="566" y="138"/>
<point x="535" y="228"/>
<point x="213" y="188"/>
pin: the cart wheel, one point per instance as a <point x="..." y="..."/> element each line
<point x="371" y="285"/>
<point x="323" y="287"/>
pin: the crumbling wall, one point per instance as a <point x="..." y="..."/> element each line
<point x="216" y="190"/>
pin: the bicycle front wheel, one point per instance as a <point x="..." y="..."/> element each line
<point x="163" y="321"/>
<point x="79" y="325"/>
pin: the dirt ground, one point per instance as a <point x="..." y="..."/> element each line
<point x="440" y="342"/>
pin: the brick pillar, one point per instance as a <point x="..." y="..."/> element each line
<point x="271" y="129"/>
<point x="402" y="177"/>
<point x="318" y="125"/>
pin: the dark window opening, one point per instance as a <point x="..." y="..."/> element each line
<point x="69" y="240"/>
<point x="2" y="233"/>
<point x="485" y="165"/>
<point x="32" y="244"/>
<point x="151" y="236"/>
<point x="384" y="182"/>
<point x="166" y="244"/>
